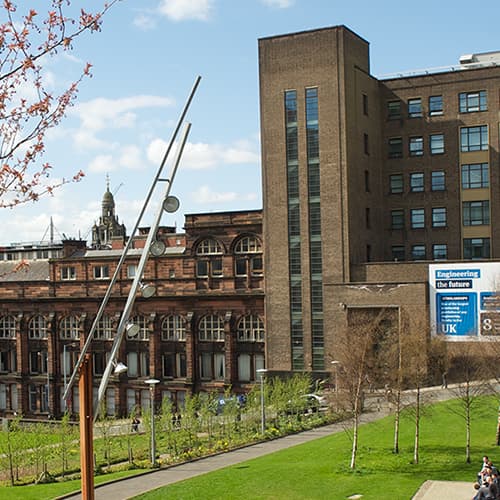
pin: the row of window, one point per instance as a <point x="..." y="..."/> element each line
<point x="417" y="182"/>
<point x="468" y="102"/>
<point x="249" y="328"/>
<point x="473" y="248"/>
<point x="416" y="146"/>
<point x="471" y="139"/>
<point x="474" y="213"/>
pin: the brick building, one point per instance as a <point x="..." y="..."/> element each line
<point x="203" y="330"/>
<point x="366" y="181"/>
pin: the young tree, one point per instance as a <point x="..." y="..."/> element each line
<point x="356" y="354"/>
<point x="28" y="106"/>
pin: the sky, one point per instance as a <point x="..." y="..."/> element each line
<point x="145" y="61"/>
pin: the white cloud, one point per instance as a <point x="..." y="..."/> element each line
<point x="280" y="4"/>
<point x="144" y="22"/>
<point x="204" y="195"/>
<point x="200" y="156"/>
<point x="131" y="157"/>
<point x="102" y="163"/>
<point x="182" y="10"/>
<point x="101" y="113"/>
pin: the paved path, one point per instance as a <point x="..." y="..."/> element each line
<point x="130" y="487"/>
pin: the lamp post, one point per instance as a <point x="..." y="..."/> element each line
<point x="262" y="372"/>
<point x="48" y="383"/>
<point x="336" y="364"/>
<point x="152" y="382"/>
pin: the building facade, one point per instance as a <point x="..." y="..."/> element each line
<point x="365" y="181"/>
<point x="203" y="330"/>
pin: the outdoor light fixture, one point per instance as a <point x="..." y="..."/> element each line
<point x="132" y="330"/>
<point x="147" y="290"/>
<point x="119" y="368"/>
<point x="262" y="372"/>
<point x="157" y="248"/>
<point x="152" y="382"/>
<point x="171" y="204"/>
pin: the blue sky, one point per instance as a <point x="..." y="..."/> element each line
<point x="145" y="61"/>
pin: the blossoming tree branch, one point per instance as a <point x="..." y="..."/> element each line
<point x="29" y="107"/>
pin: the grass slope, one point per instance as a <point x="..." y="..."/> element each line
<point x="319" y="469"/>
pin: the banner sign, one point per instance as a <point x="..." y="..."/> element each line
<point x="465" y="300"/>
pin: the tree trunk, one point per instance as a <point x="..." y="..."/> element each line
<point x="355" y="434"/>
<point x="467" y="421"/>
<point x="417" y="426"/>
<point x="498" y="427"/>
<point x="397" y="414"/>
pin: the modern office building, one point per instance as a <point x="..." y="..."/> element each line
<point x="365" y="181"/>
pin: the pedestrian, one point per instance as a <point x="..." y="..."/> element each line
<point x="135" y="424"/>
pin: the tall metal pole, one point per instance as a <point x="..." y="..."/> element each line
<point x="152" y="382"/>
<point x="262" y="372"/>
<point x="124" y="319"/>
<point x="107" y="296"/>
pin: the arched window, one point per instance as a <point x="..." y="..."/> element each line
<point x="37" y="327"/>
<point x="209" y="260"/>
<point x="250" y="329"/>
<point x="7" y="327"/>
<point x="69" y="328"/>
<point x="211" y="328"/>
<point x="104" y="329"/>
<point x="142" y="323"/>
<point x="173" y="328"/>
<point x="248" y="257"/>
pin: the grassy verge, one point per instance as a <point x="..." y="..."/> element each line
<point x="319" y="469"/>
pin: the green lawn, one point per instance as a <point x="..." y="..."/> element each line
<point x="320" y="469"/>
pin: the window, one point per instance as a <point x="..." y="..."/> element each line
<point x="396" y="183"/>
<point x="438" y="182"/>
<point x="416" y="146"/>
<point x="142" y="323"/>
<point x="397" y="219"/>
<point x="476" y="248"/>
<point x="368" y="221"/>
<point x="476" y="213"/>
<point x="439" y="217"/>
<point x="398" y="252"/>
<point x="436" y="144"/>
<point x="138" y="364"/>
<point x="393" y="110"/>
<point x="131" y="270"/>
<point x="435" y="105"/>
<point x="101" y="272"/>
<point x="472" y="101"/>
<point x="417" y="182"/>
<point x="211" y="328"/>
<point x="418" y="252"/>
<point x="367" y="181"/>
<point x="174" y="365"/>
<point x="474" y="138"/>
<point x="415" y="107"/>
<point x="212" y="266"/>
<point x="68" y="273"/>
<point x="100" y="360"/>
<point x="38" y="361"/>
<point x="37" y="328"/>
<point x="173" y="328"/>
<point x="366" y="144"/>
<point x="8" y="361"/>
<point x="69" y="328"/>
<point x="252" y="262"/>
<point x="104" y="328"/>
<point x="417" y="218"/>
<point x="250" y="329"/>
<point x="475" y="175"/>
<point x="365" y="104"/>
<point x="439" y="251"/>
<point x="7" y="327"/>
<point x="396" y="147"/>
<point x="212" y="366"/>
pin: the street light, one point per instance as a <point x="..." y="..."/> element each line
<point x="336" y="365"/>
<point x="152" y="382"/>
<point x="262" y="372"/>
